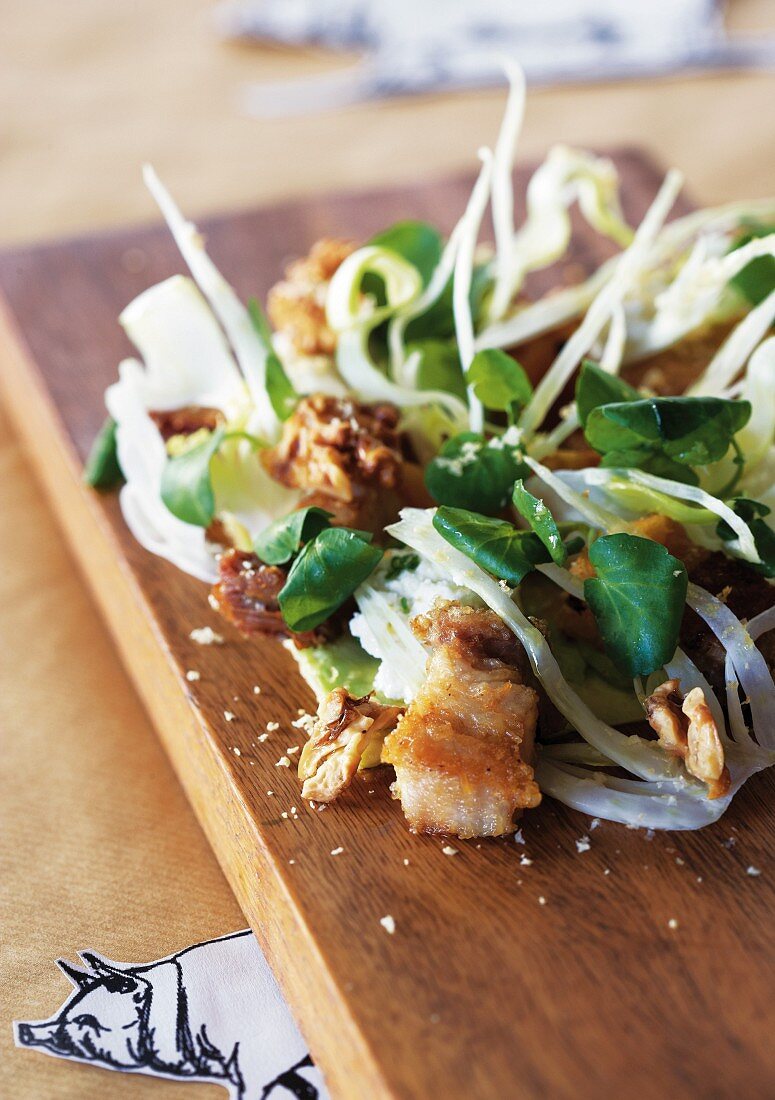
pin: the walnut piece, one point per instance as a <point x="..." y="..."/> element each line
<point x="297" y="305"/>
<point x="344" y="730"/>
<point x="686" y="728"/>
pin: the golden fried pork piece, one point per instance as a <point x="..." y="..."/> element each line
<point x="345" y="729"/>
<point x="246" y="596"/>
<point x="346" y="457"/>
<point x="685" y="727"/>
<point x="463" y="750"/>
<point x="297" y="305"/>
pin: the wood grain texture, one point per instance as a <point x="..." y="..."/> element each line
<point x="483" y="991"/>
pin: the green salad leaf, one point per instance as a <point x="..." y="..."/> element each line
<point x="692" y="431"/>
<point x="439" y="367"/>
<point x="438" y="321"/>
<point x="186" y="485"/>
<point x="541" y="520"/>
<point x="324" y="575"/>
<point x="752" y="513"/>
<point x="102" y="469"/>
<point x="757" y="279"/>
<point x="494" y="544"/>
<point x="282" y="396"/>
<point x="651" y="462"/>
<point x="597" y="387"/>
<point x="499" y="381"/>
<point x="282" y="540"/>
<point x="473" y="472"/>
<point x="418" y="242"/>
<point x="637" y="599"/>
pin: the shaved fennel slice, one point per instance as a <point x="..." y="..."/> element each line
<point x="398" y="646"/>
<point x="600" y="310"/>
<point x="612" y="479"/>
<point x="142" y="456"/>
<point x="593" y="513"/>
<point x="748" y="662"/>
<point x="695" y="296"/>
<point x="415" y="529"/>
<point x="613" y="349"/>
<point x="545" y="314"/>
<point x="187" y="360"/>
<point x="594" y="793"/>
<point x="734" y="353"/>
<point x="353" y="318"/>
<point x="461" y="284"/>
<point x="248" y="347"/>
<point x="757" y="436"/>
<point x="503" y="189"/>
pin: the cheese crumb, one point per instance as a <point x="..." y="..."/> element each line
<point x="542" y="900"/>
<point x="583" y="844"/>
<point x="262" y="737"/>
<point x="272" y="726"/>
<point x="292" y="750"/>
<point x="594" y="823"/>
<point x="213" y="602"/>
<point x="519" y="837"/>
<point x="192" y="675"/>
<point x="236" y="751"/>
<point x="406" y="863"/>
<point x="337" y="851"/>
<point x="283" y="762"/>
<point x="753" y="871"/>
<point x="388" y="924"/>
<point x="229" y="716"/>
<point x="448" y="850"/>
<point x="205" y="635"/>
<point x="672" y="923"/>
<point x="525" y="862"/>
<point x="256" y="690"/>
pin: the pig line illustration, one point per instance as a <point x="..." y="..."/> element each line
<point x="212" y="1012"/>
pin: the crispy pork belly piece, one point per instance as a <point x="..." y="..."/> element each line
<point x="464" y="749"/>
<point x="345" y="728"/>
<point x="346" y="456"/>
<point x="246" y="595"/>
<point x="297" y="305"/>
<point x="745" y="592"/>
<point x="186" y="421"/>
<point x="685" y="728"/>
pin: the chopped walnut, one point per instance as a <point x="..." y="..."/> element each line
<point x="297" y="305"/>
<point x="346" y="457"/>
<point x="685" y="727"/>
<point x="344" y="730"/>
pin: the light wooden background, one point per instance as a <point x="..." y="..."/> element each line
<point x="97" y="845"/>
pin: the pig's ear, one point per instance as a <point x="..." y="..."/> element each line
<point x="101" y="967"/>
<point x="79" y="978"/>
<point x="116" y="980"/>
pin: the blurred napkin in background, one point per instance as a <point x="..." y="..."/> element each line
<point x="414" y="46"/>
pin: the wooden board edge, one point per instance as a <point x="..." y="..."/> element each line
<point x="349" y="1065"/>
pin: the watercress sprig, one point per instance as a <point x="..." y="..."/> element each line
<point x="283" y="539"/>
<point x="499" y="382"/>
<point x="495" y="544"/>
<point x="473" y="472"/>
<point x="102" y="469"/>
<point x="282" y="396"/>
<point x="637" y="598"/>
<point x="541" y="521"/>
<point x="325" y="574"/>
<point x="752" y="513"/>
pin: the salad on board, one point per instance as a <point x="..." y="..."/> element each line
<point x="520" y="549"/>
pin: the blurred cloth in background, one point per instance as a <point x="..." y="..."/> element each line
<point x="414" y="46"/>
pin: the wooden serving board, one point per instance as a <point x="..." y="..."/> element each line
<point x="504" y="978"/>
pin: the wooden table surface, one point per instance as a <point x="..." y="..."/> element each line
<point x="98" y="844"/>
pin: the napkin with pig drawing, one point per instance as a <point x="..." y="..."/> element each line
<point x="210" y="1013"/>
